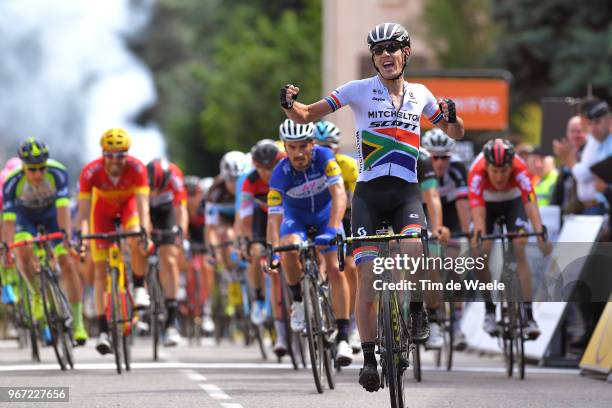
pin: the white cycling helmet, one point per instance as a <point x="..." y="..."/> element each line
<point x="290" y="131"/>
<point x="233" y="164"/>
<point x="388" y="32"/>
<point x="205" y="184"/>
<point x="436" y="142"/>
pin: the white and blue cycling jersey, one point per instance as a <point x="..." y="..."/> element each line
<point x="303" y="197"/>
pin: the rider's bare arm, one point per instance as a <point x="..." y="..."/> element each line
<point x="83" y="216"/>
<point x="434" y="207"/>
<point x="64" y="221"/>
<point x="142" y="204"/>
<point x="463" y="210"/>
<point x="301" y="113"/>
<point x="454" y="130"/>
<point x="338" y="204"/>
<point x="533" y="213"/>
<point x="273" y="228"/>
<point x="182" y="217"/>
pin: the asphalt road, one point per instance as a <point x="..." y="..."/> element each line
<point x="232" y="376"/>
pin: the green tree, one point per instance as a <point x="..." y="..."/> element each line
<point x="460" y="32"/>
<point x="253" y="57"/>
<point x="218" y="70"/>
<point x="555" y="47"/>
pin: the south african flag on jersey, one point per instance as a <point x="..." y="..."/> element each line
<point x="389" y="145"/>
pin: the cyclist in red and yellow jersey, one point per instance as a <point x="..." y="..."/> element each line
<point x="114" y="186"/>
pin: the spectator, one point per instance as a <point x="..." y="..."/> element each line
<point x="544" y="175"/>
<point x="585" y="180"/>
<point x="600" y="122"/>
<point x="565" y="194"/>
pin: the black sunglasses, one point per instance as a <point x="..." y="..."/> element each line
<point x="440" y="157"/>
<point x="36" y="169"/>
<point x="115" y="155"/>
<point x="390" y="48"/>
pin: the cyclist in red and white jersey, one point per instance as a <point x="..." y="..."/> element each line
<point x="500" y="185"/>
<point x="387" y="111"/>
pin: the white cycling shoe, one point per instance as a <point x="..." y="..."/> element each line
<point x="344" y="354"/>
<point x="298" y="323"/>
<point x="435" y="340"/>
<point x="141" y="298"/>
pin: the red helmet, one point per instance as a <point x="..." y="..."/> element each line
<point x="159" y="174"/>
<point x="499" y="152"/>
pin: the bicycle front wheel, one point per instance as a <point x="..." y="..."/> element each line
<point x="312" y="315"/>
<point x="25" y="307"/>
<point x="519" y="340"/>
<point x="115" y="305"/>
<point x="388" y="355"/>
<point x="52" y="318"/>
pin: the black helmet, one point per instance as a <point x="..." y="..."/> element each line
<point x="388" y="32"/>
<point x="266" y="152"/>
<point x="499" y="152"/>
<point x="33" y="151"/>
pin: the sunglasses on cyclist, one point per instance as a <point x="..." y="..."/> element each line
<point x="115" y="155"/>
<point x="440" y="157"/>
<point x="36" y="169"/>
<point x="391" y="48"/>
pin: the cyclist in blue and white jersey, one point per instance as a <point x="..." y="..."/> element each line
<point x="387" y="110"/>
<point x="306" y="191"/>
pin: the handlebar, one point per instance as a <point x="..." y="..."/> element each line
<point x="113" y="236"/>
<point x="514" y="235"/>
<point x="37" y="239"/>
<point x="456" y="235"/>
<point x="340" y="241"/>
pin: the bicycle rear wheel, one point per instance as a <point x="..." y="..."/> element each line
<point x="52" y="318"/>
<point x="312" y="315"/>
<point x="116" y="331"/>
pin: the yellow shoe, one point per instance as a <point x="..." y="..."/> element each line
<point x="80" y="334"/>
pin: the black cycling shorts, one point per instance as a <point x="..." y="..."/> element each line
<point x="384" y="198"/>
<point x="196" y="234"/>
<point x="346" y="224"/>
<point x="513" y="212"/>
<point x="164" y="218"/>
<point x="260" y="223"/>
<point x="450" y="217"/>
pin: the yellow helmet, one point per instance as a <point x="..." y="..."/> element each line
<point x="115" y="140"/>
<point x="280" y="144"/>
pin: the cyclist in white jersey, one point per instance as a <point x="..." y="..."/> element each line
<point x="387" y="110"/>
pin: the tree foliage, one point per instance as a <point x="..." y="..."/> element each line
<point x="253" y="58"/>
<point x="218" y="70"/>
<point x="460" y="32"/>
<point x="555" y="47"/>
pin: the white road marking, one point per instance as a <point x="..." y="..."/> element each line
<point x="193" y="375"/>
<point x="258" y="366"/>
<point x="230" y="405"/>
<point x="214" y="391"/>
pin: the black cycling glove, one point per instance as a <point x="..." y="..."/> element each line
<point x="287" y="104"/>
<point x="452" y="111"/>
